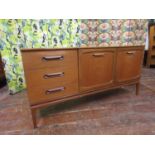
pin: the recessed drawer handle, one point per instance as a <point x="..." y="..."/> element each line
<point x="48" y="58"/>
<point x="131" y="52"/>
<point x="52" y="75"/>
<point x="55" y="90"/>
<point x="98" y="54"/>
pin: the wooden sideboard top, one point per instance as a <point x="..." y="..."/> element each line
<point x="75" y="48"/>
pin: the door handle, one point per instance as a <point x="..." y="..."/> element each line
<point x="55" y="90"/>
<point x="98" y="54"/>
<point x="48" y="58"/>
<point x="52" y="75"/>
<point x="131" y="52"/>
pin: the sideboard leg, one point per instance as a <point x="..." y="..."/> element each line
<point x="137" y="88"/>
<point x="33" y="111"/>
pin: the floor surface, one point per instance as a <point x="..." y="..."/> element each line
<point x="117" y="111"/>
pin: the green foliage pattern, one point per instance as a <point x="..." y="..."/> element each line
<point x="29" y="33"/>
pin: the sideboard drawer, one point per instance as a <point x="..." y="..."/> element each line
<point x="47" y="76"/>
<point x="51" y="92"/>
<point x="52" y="59"/>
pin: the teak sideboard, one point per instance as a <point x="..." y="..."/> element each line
<point x="60" y="74"/>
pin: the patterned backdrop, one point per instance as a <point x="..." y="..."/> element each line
<point x="30" y="33"/>
<point x="109" y="32"/>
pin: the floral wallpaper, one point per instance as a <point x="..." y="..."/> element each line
<point x="30" y="33"/>
<point x="113" y="32"/>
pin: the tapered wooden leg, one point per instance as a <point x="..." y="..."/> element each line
<point x="137" y="88"/>
<point x="33" y="111"/>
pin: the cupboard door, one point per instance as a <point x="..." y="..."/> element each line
<point x="128" y="66"/>
<point x="95" y="68"/>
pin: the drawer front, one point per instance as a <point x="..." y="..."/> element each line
<point x="52" y="59"/>
<point x="50" y="92"/>
<point x="129" y="63"/>
<point x="96" y="68"/>
<point x="52" y="76"/>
